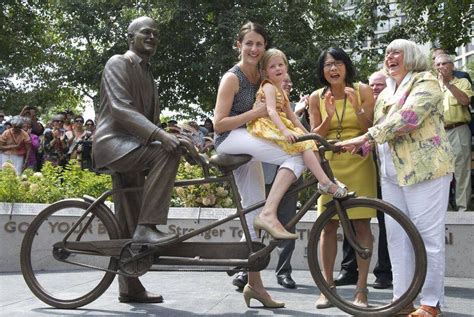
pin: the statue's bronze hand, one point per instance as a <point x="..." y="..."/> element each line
<point x="169" y="141"/>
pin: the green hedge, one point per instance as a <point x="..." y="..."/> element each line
<point x="54" y="183"/>
<point x="51" y="184"/>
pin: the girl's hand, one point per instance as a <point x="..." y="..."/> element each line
<point x="351" y="95"/>
<point x="329" y="103"/>
<point x="290" y="137"/>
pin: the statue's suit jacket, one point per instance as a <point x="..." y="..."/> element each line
<point x="129" y="113"/>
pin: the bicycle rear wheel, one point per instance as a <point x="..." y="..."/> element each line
<point x="60" y="284"/>
<point x="380" y="303"/>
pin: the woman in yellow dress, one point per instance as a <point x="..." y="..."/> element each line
<point x="282" y="126"/>
<point x="343" y="110"/>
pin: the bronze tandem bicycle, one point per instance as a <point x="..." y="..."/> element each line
<point x="78" y="249"/>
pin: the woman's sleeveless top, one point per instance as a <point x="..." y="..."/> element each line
<point x="243" y="100"/>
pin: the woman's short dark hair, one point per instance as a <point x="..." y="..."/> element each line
<point x="253" y="26"/>
<point x="339" y="55"/>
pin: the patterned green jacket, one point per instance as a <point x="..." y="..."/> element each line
<point x="411" y="122"/>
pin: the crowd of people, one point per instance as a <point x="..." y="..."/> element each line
<point x="201" y="135"/>
<point x="25" y="142"/>
<point x="412" y="118"/>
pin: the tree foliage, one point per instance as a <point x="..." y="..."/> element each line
<point x="55" y="50"/>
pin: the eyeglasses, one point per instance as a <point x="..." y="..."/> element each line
<point x="391" y="53"/>
<point x="331" y="64"/>
<point x="442" y="63"/>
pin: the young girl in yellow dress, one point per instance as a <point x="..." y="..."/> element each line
<point x="282" y="126"/>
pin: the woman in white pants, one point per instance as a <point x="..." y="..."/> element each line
<point x="235" y="99"/>
<point x="416" y="166"/>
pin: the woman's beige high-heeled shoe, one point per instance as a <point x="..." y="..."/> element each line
<point x="258" y="224"/>
<point x="250" y="293"/>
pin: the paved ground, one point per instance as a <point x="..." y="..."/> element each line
<point x="207" y="294"/>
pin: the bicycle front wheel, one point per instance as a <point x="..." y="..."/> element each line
<point x="49" y="277"/>
<point x="380" y="303"/>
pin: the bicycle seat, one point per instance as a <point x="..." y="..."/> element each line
<point x="228" y="162"/>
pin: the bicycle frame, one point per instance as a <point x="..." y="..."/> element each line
<point x="126" y="258"/>
<point x="253" y="254"/>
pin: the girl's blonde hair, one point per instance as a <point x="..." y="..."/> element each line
<point x="268" y="55"/>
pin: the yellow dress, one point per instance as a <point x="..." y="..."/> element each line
<point x="355" y="171"/>
<point x="265" y="128"/>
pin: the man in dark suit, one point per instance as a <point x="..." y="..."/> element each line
<point x="125" y="142"/>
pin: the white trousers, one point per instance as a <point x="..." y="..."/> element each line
<point x="249" y="177"/>
<point x="425" y="204"/>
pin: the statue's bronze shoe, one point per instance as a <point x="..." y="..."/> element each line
<point x="143" y="297"/>
<point x="150" y="235"/>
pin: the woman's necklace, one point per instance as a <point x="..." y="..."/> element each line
<point x="339" y="119"/>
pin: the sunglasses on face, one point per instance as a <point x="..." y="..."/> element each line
<point x="90" y="124"/>
<point x="58" y="121"/>
<point x="79" y="121"/>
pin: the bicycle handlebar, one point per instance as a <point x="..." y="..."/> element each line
<point x="327" y="145"/>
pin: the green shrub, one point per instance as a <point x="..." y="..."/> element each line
<point x="51" y="184"/>
<point x="55" y="183"/>
<point x="204" y="195"/>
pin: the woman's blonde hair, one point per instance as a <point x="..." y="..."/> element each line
<point x="413" y="57"/>
<point x="273" y="52"/>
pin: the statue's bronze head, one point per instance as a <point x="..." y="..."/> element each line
<point x="142" y="36"/>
